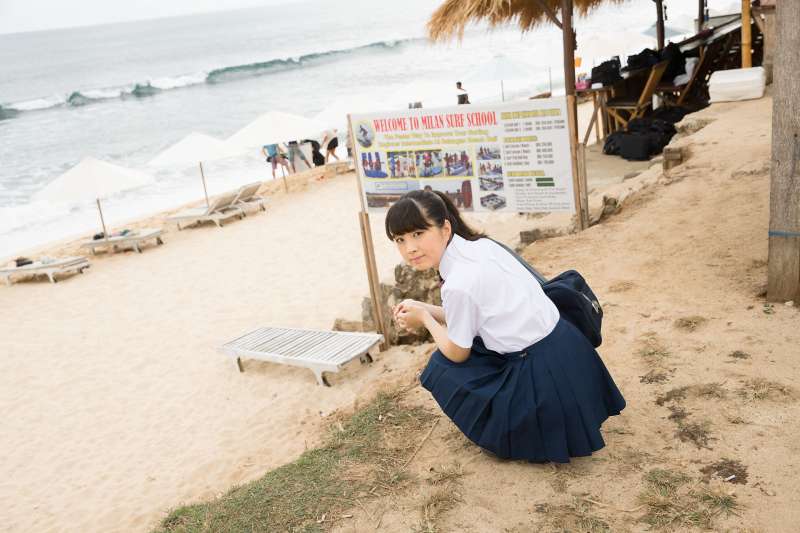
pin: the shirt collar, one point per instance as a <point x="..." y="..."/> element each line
<point x="449" y="256"/>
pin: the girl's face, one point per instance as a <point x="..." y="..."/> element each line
<point x="423" y="249"/>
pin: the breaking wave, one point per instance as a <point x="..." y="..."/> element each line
<point x="221" y="75"/>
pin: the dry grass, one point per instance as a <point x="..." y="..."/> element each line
<point x="698" y="433"/>
<point x="760" y="389"/>
<point x="651" y="349"/>
<point x="690" y="323"/>
<point x="621" y="286"/>
<point x="654" y="376"/>
<point x="673" y="501"/>
<point x="444" y="496"/>
<point x="739" y="354"/>
<point x="724" y="469"/>
<point x="575" y="516"/>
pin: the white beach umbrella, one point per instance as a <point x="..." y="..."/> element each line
<point x="275" y="127"/>
<point x="92" y="179"/>
<point x="499" y="68"/>
<point x="335" y="113"/>
<point x="193" y="150"/>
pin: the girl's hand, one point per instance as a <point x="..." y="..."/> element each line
<point x="410" y="315"/>
<point x="402" y="306"/>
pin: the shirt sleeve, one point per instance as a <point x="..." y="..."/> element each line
<point x="462" y="315"/>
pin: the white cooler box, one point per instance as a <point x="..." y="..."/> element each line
<point x="737" y="84"/>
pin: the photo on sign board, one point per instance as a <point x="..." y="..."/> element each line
<point x="459" y="191"/>
<point x="490" y="184"/>
<point x="429" y="163"/>
<point x="401" y="164"/>
<point x="488" y="151"/>
<point x="372" y="165"/>
<point x="365" y="134"/>
<point x="493" y="201"/>
<point x="385" y="193"/>
<point x="457" y="163"/>
<point x="490" y="169"/>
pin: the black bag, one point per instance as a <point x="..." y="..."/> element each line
<point x="676" y="63"/>
<point x="606" y="72"/>
<point x="644" y="59"/>
<point x="611" y="144"/>
<point x="22" y="261"/>
<point x="635" y="146"/>
<point x="572" y="297"/>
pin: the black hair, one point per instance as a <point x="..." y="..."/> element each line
<point x="458" y="84"/>
<point x="419" y="210"/>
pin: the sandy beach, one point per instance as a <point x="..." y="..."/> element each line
<point x="118" y="406"/>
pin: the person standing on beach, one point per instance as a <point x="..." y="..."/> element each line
<point x="333" y="143"/>
<point x="274" y="155"/>
<point x="295" y="151"/>
<point x="513" y="375"/>
<point x="461" y="94"/>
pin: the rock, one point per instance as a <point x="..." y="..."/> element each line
<point x="409" y="284"/>
<point x="690" y="125"/>
<point x="528" y="236"/>
<point x="610" y="206"/>
<point x="630" y="175"/>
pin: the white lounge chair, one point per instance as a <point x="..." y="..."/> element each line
<point x="319" y="351"/>
<point x="219" y="210"/>
<point x="47" y="267"/>
<point x="134" y="239"/>
<point x="247" y="196"/>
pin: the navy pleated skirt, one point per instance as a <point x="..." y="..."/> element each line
<point x="545" y="403"/>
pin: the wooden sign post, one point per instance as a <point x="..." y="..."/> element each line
<point x="369" y="254"/>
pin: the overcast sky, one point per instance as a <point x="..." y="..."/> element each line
<point x="28" y="15"/>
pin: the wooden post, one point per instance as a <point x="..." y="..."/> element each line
<point x="783" y="268"/>
<point x="572" y="123"/>
<point x="701" y="14"/>
<point x="659" y="24"/>
<point x="747" y="41"/>
<point x="584" y="188"/>
<point x="203" y="177"/>
<point x="369" y="251"/>
<point x="568" y="35"/>
<point x="102" y="221"/>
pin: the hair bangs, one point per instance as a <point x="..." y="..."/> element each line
<point x="404" y="217"/>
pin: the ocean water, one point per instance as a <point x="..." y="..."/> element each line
<point x="124" y="92"/>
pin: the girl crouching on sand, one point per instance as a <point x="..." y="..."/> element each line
<point x="518" y="380"/>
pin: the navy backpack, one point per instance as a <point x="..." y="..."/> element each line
<point x="572" y="297"/>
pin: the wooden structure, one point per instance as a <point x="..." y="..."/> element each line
<point x="635" y="108"/>
<point x="783" y="282"/>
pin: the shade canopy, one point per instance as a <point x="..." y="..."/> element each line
<point x="275" y="127"/>
<point x="453" y="16"/>
<point x="669" y="31"/>
<point x="194" y="148"/>
<point x="92" y="179"/>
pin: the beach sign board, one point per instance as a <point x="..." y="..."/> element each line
<point x="505" y="157"/>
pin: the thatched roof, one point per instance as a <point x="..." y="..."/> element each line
<point x="453" y="16"/>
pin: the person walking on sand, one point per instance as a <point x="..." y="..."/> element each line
<point x="295" y="151"/>
<point x="461" y="94"/>
<point x="275" y="156"/>
<point x="513" y="375"/>
<point x="333" y="143"/>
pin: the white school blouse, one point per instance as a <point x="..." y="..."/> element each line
<point x="487" y="293"/>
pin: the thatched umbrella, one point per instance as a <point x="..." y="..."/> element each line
<point x="453" y="16"/>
